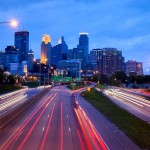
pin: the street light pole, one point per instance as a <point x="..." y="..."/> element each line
<point x="39" y="74"/>
<point x="48" y="75"/>
<point x="13" y="23"/>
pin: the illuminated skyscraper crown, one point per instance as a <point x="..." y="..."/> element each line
<point x="46" y="39"/>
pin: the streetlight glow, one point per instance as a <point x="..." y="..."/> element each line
<point x="14" y="23"/>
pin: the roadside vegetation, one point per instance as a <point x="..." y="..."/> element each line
<point x="101" y="86"/>
<point x="133" y="127"/>
<point x="9" y="88"/>
<point x="75" y="87"/>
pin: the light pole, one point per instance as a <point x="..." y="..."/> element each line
<point x="51" y="68"/>
<point x="98" y="74"/>
<point x="39" y="73"/>
<point x="13" y="23"/>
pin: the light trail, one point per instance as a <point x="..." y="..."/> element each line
<point x="7" y="144"/>
<point x="12" y="93"/>
<point x="61" y="128"/>
<point x="48" y="126"/>
<point x="84" y="132"/>
<point x="12" y="101"/>
<point x="91" y="129"/>
<point x="81" y="142"/>
<point x="33" y="126"/>
<point x="128" y="97"/>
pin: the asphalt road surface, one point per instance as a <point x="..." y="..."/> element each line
<point x="136" y="104"/>
<point x="55" y="122"/>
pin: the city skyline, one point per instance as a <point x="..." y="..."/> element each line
<point x="122" y="25"/>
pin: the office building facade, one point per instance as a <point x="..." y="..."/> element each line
<point x="83" y="50"/>
<point x="22" y="43"/>
<point x="30" y="61"/>
<point x="106" y="60"/>
<point x="73" y="67"/>
<point x="59" y="52"/>
<point x="11" y="56"/>
<point x="134" y="67"/>
<point x="2" y="60"/>
<point x="46" y="50"/>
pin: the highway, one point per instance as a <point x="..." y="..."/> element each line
<point x="54" y="122"/>
<point x="135" y="104"/>
<point x="62" y="120"/>
<point x="10" y="101"/>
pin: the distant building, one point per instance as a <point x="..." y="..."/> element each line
<point x="22" y="43"/>
<point x="81" y="53"/>
<point x="123" y="65"/>
<point x="2" y="60"/>
<point x="46" y="50"/>
<point x="139" y="68"/>
<point x="11" y="55"/>
<point x="106" y="60"/>
<point x="40" y="68"/>
<point x="59" y="52"/>
<point x="83" y="50"/>
<point x="96" y="59"/>
<point x="63" y="47"/>
<point x="18" y="68"/>
<point x="75" y="54"/>
<point x="133" y="66"/>
<point x="30" y="61"/>
<point x="73" y="67"/>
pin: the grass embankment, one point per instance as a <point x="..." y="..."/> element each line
<point x="133" y="127"/>
<point x="101" y="86"/>
<point x="75" y="87"/>
<point x="30" y="84"/>
<point x="9" y="88"/>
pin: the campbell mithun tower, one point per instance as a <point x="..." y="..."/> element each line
<point x="46" y="50"/>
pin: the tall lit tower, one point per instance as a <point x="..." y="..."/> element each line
<point x="22" y="43"/>
<point x="83" y="48"/>
<point x="46" y="50"/>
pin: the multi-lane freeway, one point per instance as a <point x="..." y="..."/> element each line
<point x="136" y="104"/>
<point x="11" y="100"/>
<point x="58" y="122"/>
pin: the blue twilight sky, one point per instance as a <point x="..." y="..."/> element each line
<point x="123" y="24"/>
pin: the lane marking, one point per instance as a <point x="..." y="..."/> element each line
<point x="69" y="129"/>
<point x="47" y="129"/>
<point x="61" y="129"/>
<point x="43" y="128"/>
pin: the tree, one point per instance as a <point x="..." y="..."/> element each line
<point x="104" y="79"/>
<point x="139" y="79"/>
<point x="121" y="76"/>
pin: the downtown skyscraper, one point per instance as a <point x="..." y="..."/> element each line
<point x="59" y="52"/>
<point x="83" y="49"/>
<point x="81" y="53"/>
<point x="106" y="60"/>
<point x="22" y="43"/>
<point x="46" y="50"/>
